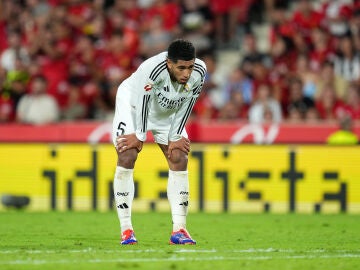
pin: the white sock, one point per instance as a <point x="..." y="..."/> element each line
<point x="178" y="196"/>
<point x="124" y="195"/>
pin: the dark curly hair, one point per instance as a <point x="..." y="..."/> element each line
<point x="181" y="49"/>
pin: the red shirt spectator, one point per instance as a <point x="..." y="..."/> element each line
<point x="352" y="101"/>
<point x="3" y="36"/>
<point x="168" y="11"/>
<point x="305" y="18"/>
<point x="321" y="48"/>
<point x="329" y="106"/>
<point x="7" y="108"/>
<point x="280" y="25"/>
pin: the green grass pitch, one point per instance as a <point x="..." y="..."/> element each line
<point x="90" y="240"/>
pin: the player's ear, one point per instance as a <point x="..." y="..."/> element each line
<point x="168" y="62"/>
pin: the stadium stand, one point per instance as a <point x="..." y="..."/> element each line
<point x="84" y="49"/>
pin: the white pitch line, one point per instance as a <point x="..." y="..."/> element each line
<point x="94" y="250"/>
<point x="175" y="259"/>
<point x="121" y="250"/>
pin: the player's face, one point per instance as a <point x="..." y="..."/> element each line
<point x="181" y="70"/>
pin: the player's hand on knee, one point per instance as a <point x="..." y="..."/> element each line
<point x="183" y="144"/>
<point x="125" y="142"/>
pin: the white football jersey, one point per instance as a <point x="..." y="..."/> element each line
<point x="160" y="101"/>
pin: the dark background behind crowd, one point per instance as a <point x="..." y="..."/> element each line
<point x="285" y="61"/>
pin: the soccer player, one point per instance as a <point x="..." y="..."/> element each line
<point x="157" y="97"/>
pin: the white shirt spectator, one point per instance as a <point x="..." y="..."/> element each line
<point x="13" y="53"/>
<point x="265" y="109"/>
<point x="38" y="107"/>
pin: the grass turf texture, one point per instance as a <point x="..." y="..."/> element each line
<point x="90" y="240"/>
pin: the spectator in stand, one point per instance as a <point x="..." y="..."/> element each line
<point x="265" y="109"/>
<point x="284" y="58"/>
<point x="347" y="60"/>
<point x="78" y="14"/>
<point x="336" y="16"/>
<point x="329" y="106"/>
<point x="14" y="52"/>
<point x="305" y="18"/>
<point x="124" y="22"/>
<point x="131" y="11"/>
<point x="13" y="85"/>
<point x="280" y="24"/>
<point x="355" y="27"/>
<point x="3" y="29"/>
<point x="104" y="104"/>
<point x="312" y="116"/>
<point x="251" y="54"/>
<point x="15" y="88"/>
<point x="352" y="101"/>
<point x="261" y="76"/>
<point x="196" y="24"/>
<point x="321" y="48"/>
<point x="309" y="78"/>
<point x="38" y="107"/>
<point x="298" y="104"/>
<point x="294" y="115"/>
<point x="6" y="108"/>
<point x="168" y="11"/>
<point x="327" y="76"/>
<point x="155" y="39"/>
<point x="209" y="100"/>
<point x="96" y="29"/>
<point x="50" y="51"/>
<point x="271" y="5"/>
<point x="228" y="17"/>
<point x="75" y="108"/>
<point x="10" y="94"/>
<point x="344" y="135"/>
<point x="84" y="61"/>
<point x="117" y="58"/>
<point x="238" y="82"/>
<point x="234" y="109"/>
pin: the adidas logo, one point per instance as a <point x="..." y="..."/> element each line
<point x="184" y="203"/>
<point x="123" y="206"/>
<point x="122" y="193"/>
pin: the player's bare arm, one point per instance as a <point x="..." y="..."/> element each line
<point x="126" y="142"/>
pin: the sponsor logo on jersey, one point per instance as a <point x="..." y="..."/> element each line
<point x="167" y="103"/>
<point x="148" y="87"/>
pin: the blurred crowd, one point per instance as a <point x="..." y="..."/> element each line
<point x="62" y="60"/>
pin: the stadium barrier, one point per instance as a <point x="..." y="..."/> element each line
<point x="202" y="132"/>
<point x="223" y="177"/>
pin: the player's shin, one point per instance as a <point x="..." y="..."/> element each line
<point x="178" y="196"/>
<point x="124" y="195"/>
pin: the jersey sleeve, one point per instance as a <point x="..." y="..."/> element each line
<point x="183" y="113"/>
<point x="145" y="77"/>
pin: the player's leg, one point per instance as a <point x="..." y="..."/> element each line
<point x="178" y="193"/>
<point x="123" y="179"/>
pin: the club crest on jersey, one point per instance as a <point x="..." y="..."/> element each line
<point x="186" y="88"/>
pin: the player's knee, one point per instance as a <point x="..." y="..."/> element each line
<point x="179" y="159"/>
<point x="127" y="159"/>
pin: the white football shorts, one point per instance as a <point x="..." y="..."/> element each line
<point x="125" y="121"/>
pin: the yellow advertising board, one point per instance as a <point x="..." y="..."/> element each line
<point x="233" y="178"/>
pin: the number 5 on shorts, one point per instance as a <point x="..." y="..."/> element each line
<point x="121" y="130"/>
